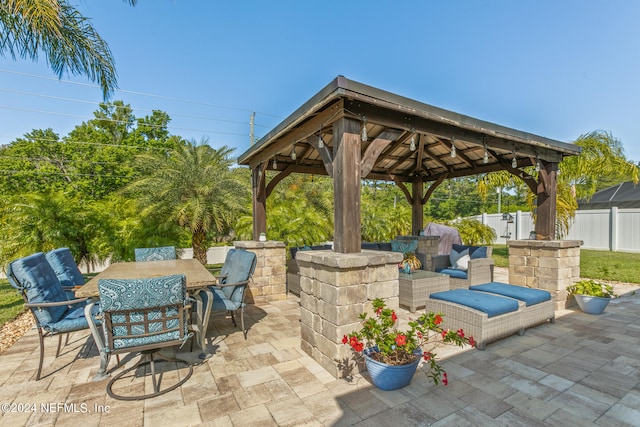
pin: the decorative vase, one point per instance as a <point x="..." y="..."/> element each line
<point x="592" y="305"/>
<point x="390" y="377"/>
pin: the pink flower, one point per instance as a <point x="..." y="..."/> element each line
<point x="460" y="333"/>
<point x="472" y="342"/>
<point x="445" y="380"/>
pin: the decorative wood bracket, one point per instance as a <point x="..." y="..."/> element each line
<point x="402" y="187"/>
<point x="433" y="187"/>
<point x="374" y="150"/>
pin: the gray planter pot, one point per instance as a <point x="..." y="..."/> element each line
<point x="592" y="305"/>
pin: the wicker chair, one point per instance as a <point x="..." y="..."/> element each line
<point x="144" y="315"/>
<point x="479" y="271"/>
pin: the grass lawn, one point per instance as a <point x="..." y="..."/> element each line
<point x="11" y="303"/>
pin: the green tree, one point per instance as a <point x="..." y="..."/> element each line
<point x="56" y="28"/>
<point x="194" y="187"/>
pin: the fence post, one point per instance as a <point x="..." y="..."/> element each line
<point x="518" y="225"/>
<point x="613" y="224"/>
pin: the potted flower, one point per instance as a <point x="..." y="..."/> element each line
<point x="592" y="297"/>
<point x="392" y="356"/>
<point x="410" y="263"/>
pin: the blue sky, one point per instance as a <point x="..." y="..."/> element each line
<point x="553" y="68"/>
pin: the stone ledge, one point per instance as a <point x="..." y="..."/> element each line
<point x="552" y="244"/>
<point x="354" y="260"/>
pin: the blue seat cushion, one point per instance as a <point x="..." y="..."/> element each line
<point x="35" y="276"/>
<point x="238" y="267"/>
<point x="452" y="272"/>
<point x="65" y="267"/>
<point x="528" y="295"/>
<point x="493" y="305"/>
<point x="74" y="320"/>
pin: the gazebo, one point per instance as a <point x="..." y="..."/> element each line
<point x="350" y="132"/>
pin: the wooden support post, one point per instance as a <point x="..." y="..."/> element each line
<point x="259" y="201"/>
<point x="546" y="193"/>
<point x="417" y="205"/>
<point x="346" y="182"/>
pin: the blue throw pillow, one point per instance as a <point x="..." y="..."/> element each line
<point x="459" y="260"/>
<point x="404" y="246"/>
<point x="474" y="251"/>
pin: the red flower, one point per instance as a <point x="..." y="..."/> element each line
<point x="445" y="381"/>
<point x="358" y="347"/>
<point x="438" y="319"/>
<point x="378" y="311"/>
<point x="444" y="333"/>
<point x="345" y="339"/>
<point x="401" y="340"/>
<point x="460" y="333"/>
<point x="419" y="334"/>
<point x="472" y="342"/>
<point x="427" y="356"/>
<point x="393" y="316"/>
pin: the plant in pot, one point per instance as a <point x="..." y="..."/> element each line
<point x="392" y="356"/>
<point x="410" y="263"/>
<point x="592" y="297"/>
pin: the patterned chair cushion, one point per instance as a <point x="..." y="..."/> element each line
<point x="65" y="267"/>
<point x="34" y="275"/>
<point x="158" y="293"/>
<point x="155" y="254"/>
<point x="404" y="246"/>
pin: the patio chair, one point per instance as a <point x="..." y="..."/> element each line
<point x="229" y="293"/>
<point x="465" y="265"/>
<point x="155" y="254"/>
<point x="54" y="312"/>
<point x="144" y="315"/>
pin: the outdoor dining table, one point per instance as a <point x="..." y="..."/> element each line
<point x="198" y="278"/>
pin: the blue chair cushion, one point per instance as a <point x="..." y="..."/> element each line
<point x="35" y="276"/>
<point x="527" y="295"/>
<point x="155" y="254"/>
<point x="65" y="267"/>
<point x="452" y="272"/>
<point x="238" y="267"/>
<point x="74" y="320"/>
<point x="493" y="305"/>
<point x="474" y="251"/>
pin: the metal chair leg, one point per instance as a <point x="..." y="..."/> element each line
<point x="41" y="337"/>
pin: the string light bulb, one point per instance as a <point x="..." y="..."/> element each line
<point x="320" y="141"/>
<point x="412" y="146"/>
<point x="293" y="154"/>
<point x="363" y="135"/>
<point x="514" y="162"/>
<point x="485" y="158"/>
<point x="537" y="164"/>
<point x="275" y="164"/>
<point x="453" y="148"/>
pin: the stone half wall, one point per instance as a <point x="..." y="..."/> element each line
<point x="269" y="282"/>
<point x="551" y="265"/>
<point x="335" y="289"/>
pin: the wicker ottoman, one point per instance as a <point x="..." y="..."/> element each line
<point x="416" y="287"/>
<point x="485" y="317"/>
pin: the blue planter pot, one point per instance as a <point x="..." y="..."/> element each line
<point x="390" y="377"/>
<point x="592" y="305"/>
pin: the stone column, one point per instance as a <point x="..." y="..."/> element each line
<point x="269" y="282"/>
<point x="427" y="247"/>
<point x="335" y="289"/>
<point x="551" y="265"/>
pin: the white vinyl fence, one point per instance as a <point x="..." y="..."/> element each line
<point x="600" y="229"/>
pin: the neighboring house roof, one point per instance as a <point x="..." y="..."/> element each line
<point x="625" y="195"/>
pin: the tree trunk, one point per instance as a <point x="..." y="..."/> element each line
<point x="198" y="243"/>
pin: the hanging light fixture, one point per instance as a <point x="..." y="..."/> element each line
<point x="453" y="148"/>
<point x="275" y="164"/>
<point x="293" y="154"/>
<point x="363" y="135"/>
<point x="320" y="141"/>
<point x="412" y="146"/>
<point x="485" y="158"/>
<point x="514" y="162"/>
<point x="537" y="164"/>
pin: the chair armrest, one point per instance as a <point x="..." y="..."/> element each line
<point x="222" y="285"/>
<point x="480" y="271"/>
<point x="440" y="261"/>
<point x="55" y="304"/>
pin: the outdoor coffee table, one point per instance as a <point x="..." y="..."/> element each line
<point x="416" y="287"/>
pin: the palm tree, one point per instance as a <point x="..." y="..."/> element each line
<point x="67" y="39"/>
<point x="194" y="187"/>
<point x="602" y="160"/>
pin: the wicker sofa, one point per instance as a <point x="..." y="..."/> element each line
<point x="479" y="271"/>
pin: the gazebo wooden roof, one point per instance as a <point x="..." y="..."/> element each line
<point x="351" y="131"/>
